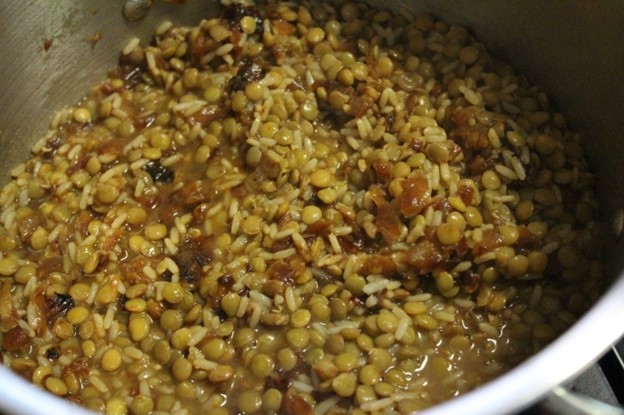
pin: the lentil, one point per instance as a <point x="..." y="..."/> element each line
<point x="271" y="400"/>
<point x="8" y="266"/>
<point x="262" y="365"/>
<point x="111" y="360"/>
<point x="155" y="231"/>
<point x="56" y="386"/>
<point x="181" y="369"/>
<point x="321" y="178"/>
<point x="235" y="217"/>
<point x="249" y="401"/>
<point x="142" y="405"/>
<point x="82" y="115"/>
<point x="344" y="384"/>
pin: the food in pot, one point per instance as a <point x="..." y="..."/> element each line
<point x="296" y="209"/>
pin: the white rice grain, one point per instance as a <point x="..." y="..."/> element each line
<point x="130" y="46"/>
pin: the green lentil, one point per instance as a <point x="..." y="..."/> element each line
<point x="116" y="406"/>
<point x="56" y="386"/>
<point x="139" y="328"/>
<point x="8" y="266"/>
<point x="162" y="351"/>
<point x="344" y="384"/>
<point x="298" y="337"/>
<point x="221" y="373"/>
<point x="286" y="359"/>
<point x="262" y="365"/>
<point x="181" y="369"/>
<point x="321" y="178"/>
<point x="173" y="293"/>
<point x="249" y="401"/>
<point x="111" y="360"/>
<point x="142" y="405"/>
<point x="271" y="400"/>
<point x="82" y="115"/>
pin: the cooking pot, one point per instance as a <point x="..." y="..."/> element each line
<point x="50" y="52"/>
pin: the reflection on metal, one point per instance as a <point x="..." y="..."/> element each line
<point x="136" y="9"/>
<point x="563" y="402"/>
<point x="618" y="223"/>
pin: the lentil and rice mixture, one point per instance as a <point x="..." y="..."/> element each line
<point x="295" y="208"/>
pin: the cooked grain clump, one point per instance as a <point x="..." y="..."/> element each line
<point x="295" y="209"/>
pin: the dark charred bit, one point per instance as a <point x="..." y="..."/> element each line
<point x="219" y="312"/>
<point x="390" y="118"/>
<point x="47" y="44"/>
<point x="52" y="354"/>
<point x="190" y="274"/>
<point x="131" y="74"/>
<point x="54" y="142"/>
<point x="470" y="282"/>
<point x="121" y="301"/>
<point x="158" y="172"/>
<point x="335" y="118"/>
<point x="226" y="280"/>
<point x="321" y="396"/>
<point x="234" y="13"/>
<point x="370" y="310"/>
<point x="79" y="165"/>
<point x="166" y="276"/>
<point x="248" y="72"/>
<point x="282" y="380"/>
<point x="194" y="254"/>
<point x="416" y="145"/>
<point x="58" y="306"/>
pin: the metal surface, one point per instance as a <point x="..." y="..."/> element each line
<point x="563" y="402"/>
<point x="572" y="49"/>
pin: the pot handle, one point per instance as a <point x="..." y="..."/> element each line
<point x="561" y="401"/>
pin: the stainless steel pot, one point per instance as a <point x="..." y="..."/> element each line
<point x="49" y="54"/>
